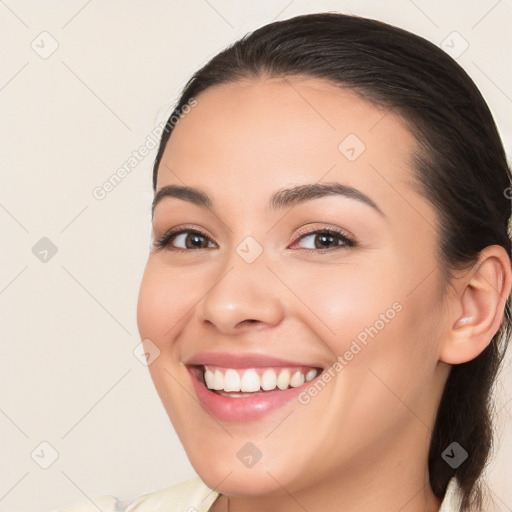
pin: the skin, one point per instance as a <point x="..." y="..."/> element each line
<point x="362" y="442"/>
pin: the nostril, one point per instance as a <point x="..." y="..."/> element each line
<point x="249" y="321"/>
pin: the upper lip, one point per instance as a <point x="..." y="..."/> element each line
<point x="247" y="360"/>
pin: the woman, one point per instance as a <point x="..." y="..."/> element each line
<point x="326" y="301"/>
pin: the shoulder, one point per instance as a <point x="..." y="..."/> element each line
<point x="189" y="496"/>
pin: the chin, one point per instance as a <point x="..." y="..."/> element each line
<point x="241" y="482"/>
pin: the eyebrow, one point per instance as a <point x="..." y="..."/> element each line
<point x="281" y="199"/>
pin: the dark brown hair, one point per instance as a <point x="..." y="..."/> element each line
<point x="460" y="167"/>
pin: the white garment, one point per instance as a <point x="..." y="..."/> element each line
<point x="194" y="496"/>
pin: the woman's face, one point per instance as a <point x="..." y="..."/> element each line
<point x="267" y="294"/>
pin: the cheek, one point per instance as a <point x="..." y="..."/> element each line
<point x="382" y="343"/>
<point x="340" y="301"/>
<point x="162" y="303"/>
<point x="369" y="319"/>
<point x="161" y="314"/>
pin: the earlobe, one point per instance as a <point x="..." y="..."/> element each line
<point x="482" y="295"/>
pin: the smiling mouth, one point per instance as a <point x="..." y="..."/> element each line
<point x="240" y="388"/>
<point x="247" y="382"/>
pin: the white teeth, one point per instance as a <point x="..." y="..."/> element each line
<point x="231" y="380"/>
<point x="297" y="379"/>
<point x="249" y="381"/>
<point x="268" y="380"/>
<point x="218" y="383"/>
<point x="209" y="378"/>
<point x="311" y="375"/>
<point x="283" y="381"/>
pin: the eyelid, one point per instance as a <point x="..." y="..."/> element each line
<point x="308" y="230"/>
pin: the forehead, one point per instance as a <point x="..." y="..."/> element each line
<point x="275" y="132"/>
<point x="286" y="118"/>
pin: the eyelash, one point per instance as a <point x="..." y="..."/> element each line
<point x="165" y="241"/>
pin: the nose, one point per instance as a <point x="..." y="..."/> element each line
<point x="245" y="296"/>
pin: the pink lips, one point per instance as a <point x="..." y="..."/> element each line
<point x="246" y="408"/>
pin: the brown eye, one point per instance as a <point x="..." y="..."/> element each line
<point x="187" y="239"/>
<point x="192" y="240"/>
<point x="325" y="239"/>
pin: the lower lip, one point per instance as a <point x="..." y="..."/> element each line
<point x="242" y="409"/>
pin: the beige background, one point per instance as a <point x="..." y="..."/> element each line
<point x="70" y="119"/>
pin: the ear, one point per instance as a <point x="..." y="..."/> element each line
<point x="481" y="295"/>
